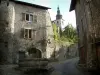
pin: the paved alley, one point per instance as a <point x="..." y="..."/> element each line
<point x="69" y="67"/>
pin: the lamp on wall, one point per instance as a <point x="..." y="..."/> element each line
<point x="48" y="41"/>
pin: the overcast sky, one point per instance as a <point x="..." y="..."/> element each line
<point x="64" y="5"/>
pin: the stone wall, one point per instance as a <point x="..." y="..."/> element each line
<point x="49" y="36"/>
<point x="94" y="27"/>
<point x="72" y="51"/>
<point x="63" y="53"/>
<point x="87" y="19"/>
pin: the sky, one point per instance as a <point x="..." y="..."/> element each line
<point x="64" y="6"/>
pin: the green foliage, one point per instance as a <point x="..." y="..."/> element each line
<point x="55" y="30"/>
<point x="70" y="33"/>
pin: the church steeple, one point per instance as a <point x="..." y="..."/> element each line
<point x="58" y="11"/>
<point x="58" y="16"/>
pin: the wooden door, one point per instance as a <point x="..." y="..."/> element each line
<point x="98" y="55"/>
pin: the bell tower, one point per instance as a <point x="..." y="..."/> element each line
<point x="59" y="21"/>
<point x="58" y="16"/>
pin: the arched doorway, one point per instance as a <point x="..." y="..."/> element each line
<point x="34" y="53"/>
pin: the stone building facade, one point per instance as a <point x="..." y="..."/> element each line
<point x="88" y="25"/>
<point x="25" y="30"/>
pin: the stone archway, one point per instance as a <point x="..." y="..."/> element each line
<point x="34" y="53"/>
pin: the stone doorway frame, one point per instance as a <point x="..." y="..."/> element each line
<point x="34" y="50"/>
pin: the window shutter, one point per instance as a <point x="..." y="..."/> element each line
<point x="30" y="33"/>
<point x="22" y="33"/>
<point x="31" y="17"/>
<point x="23" y="16"/>
<point x="35" y="19"/>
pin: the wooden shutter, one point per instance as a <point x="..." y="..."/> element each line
<point x="23" y="16"/>
<point x="31" y="17"/>
<point x="26" y="33"/>
<point x="22" y="33"/>
<point x="35" y="19"/>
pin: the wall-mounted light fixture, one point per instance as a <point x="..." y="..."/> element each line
<point x="48" y="41"/>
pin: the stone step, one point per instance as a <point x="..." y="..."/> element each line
<point x="29" y="64"/>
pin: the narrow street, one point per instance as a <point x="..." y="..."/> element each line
<point x="69" y="67"/>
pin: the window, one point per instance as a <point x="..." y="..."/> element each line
<point x="62" y="22"/>
<point x="6" y="44"/>
<point x="28" y="33"/>
<point x="57" y="22"/>
<point x="29" y="17"/>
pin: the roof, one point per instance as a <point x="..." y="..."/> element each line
<point x="72" y="5"/>
<point x="30" y="4"/>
